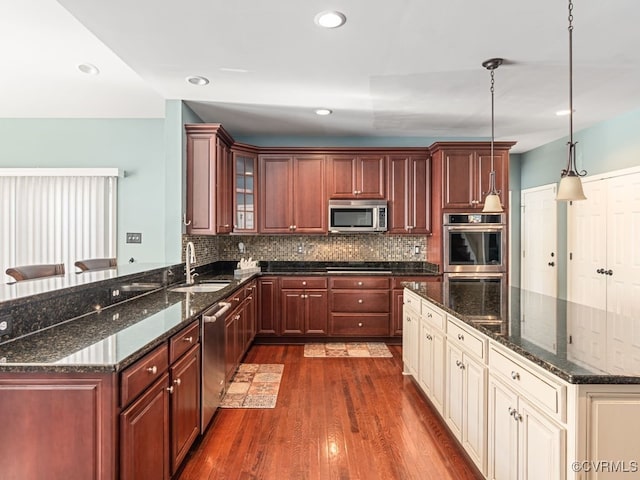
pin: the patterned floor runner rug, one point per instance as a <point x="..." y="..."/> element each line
<point x="360" y="350"/>
<point x="254" y="385"/>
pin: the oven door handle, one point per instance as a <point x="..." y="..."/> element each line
<point x="474" y="228"/>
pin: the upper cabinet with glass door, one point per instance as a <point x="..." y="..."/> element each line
<point x="244" y="200"/>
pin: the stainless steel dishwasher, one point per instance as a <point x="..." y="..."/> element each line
<point x="213" y="374"/>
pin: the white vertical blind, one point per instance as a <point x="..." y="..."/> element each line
<point x="56" y="219"/>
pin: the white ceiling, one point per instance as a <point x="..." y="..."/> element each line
<point x="402" y="68"/>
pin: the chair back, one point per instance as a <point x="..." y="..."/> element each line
<point x="28" y="272"/>
<point x="96" y="264"/>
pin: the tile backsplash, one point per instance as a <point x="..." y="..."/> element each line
<point x="339" y="248"/>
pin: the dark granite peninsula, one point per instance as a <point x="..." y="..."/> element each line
<point x="547" y="388"/>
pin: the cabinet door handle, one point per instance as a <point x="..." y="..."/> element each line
<point x="304" y="283"/>
<point x="461" y="337"/>
<point x="551" y="264"/>
<point x="184" y="220"/>
<point x="515" y="375"/>
<point x="360" y="324"/>
<point x="177" y="381"/>
<point x="600" y="270"/>
<point x="188" y="339"/>
<point x="516" y="416"/>
<point x="609" y="272"/>
<point x="360" y="284"/>
<point x="429" y="337"/>
<point x="170" y="389"/>
<point x="429" y="315"/>
<point x="360" y="300"/>
<point x="458" y="363"/>
<point x="152" y="370"/>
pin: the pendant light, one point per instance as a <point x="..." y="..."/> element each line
<point x="570" y="187"/>
<point x="492" y="201"/>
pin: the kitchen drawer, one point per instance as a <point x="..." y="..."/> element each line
<point x="303" y="282"/>
<point x="370" y="301"/>
<point x="397" y="282"/>
<point x="433" y="315"/>
<point x="412" y="301"/>
<point x="466" y="339"/>
<point x="374" y="325"/>
<point x="360" y="282"/>
<point x="541" y="392"/>
<point x="183" y="341"/>
<point x="144" y="372"/>
<point x="236" y="297"/>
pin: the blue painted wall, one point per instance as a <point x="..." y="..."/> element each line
<point x="133" y="145"/>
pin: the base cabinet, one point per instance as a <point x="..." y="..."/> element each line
<point x="431" y="348"/>
<point x="144" y="435"/>
<point x="465" y="403"/>
<point x="523" y="443"/>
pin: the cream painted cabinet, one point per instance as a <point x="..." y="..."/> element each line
<point x="465" y="402"/>
<point x="524" y="443"/>
<point x="411" y="333"/>
<point x="431" y="368"/>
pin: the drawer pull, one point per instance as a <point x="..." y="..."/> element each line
<point x="516" y="416"/>
<point x="360" y="300"/>
<point x="429" y="315"/>
<point x="429" y="337"/>
<point x="360" y="324"/>
<point x="515" y="375"/>
<point x="511" y="411"/>
<point x="461" y="337"/>
<point x="152" y="370"/>
<point x="188" y="339"/>
<point x="170" y="389"/>
<point x="360" y="284"/>
<point x="237" y="317"/>
<point x="458" y="363"/>
<point x="177" y="381"/>
<point x="304" y="283"/>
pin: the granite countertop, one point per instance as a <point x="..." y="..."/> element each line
<point x="112" y="338"/>
<point x="577" y="343"/>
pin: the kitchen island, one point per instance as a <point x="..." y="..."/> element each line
<point x="545" y="392"/>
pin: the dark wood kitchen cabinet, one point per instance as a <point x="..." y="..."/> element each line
<point x="360" y="306"/>
<point x="268" y="306"/>
<point x="409" y="190"/>
<point x="292" y="194"/>
<point x="209" y="180"/>
<point x="357" y="177"/>
<point x="465" y="171"/>
<point x="239" y="328"/>
<point x="304" y="305"/>
<point x="245" y="168"/>
<point x="159" y="423"/>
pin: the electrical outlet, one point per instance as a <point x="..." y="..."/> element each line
<point x="134" y="237"/>
<point x="115" y="293"/>
<point x="416" y="250"/>
<point x="300" y="248"/>
<point x="6" y="325"/>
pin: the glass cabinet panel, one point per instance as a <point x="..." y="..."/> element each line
<point x="244" y="197"/>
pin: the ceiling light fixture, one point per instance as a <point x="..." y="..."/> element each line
<point x="570" y="187"/>
<point x="330" y="19"/>
<point x="89" y="69"/>
<point x="492" y="201"/>
<point x="323" y="111"/>
<point x="562" y="113"/>
<point x="197" y="80"/>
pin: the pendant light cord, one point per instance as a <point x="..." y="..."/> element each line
<point x="492" y="124"/>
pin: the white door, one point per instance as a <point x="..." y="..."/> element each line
<point x="410" y="339"/>
<point x="425" y="370"/>
<point x="454" y="400"/>
<point x="541" y="445"/>
<point x="587" y="246"/>
<point x="539" y="240"/>
<point x="437" y="387"/>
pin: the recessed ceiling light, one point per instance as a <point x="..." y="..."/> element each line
<point x="197" y="80"/>
<point x="330" y="19"/>
<point x="562" y="113"/>
<point x="323" y="111"/>
<point x="88" y="68"/>
<point x="233" y="70"/>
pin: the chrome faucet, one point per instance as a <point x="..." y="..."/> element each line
<point x="190" y="259"/>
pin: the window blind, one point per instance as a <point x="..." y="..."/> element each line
<point x="56" y="218"/>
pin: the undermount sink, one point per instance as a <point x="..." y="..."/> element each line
<point x="200" y="287"/>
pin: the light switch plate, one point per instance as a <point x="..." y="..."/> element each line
<point x="134" y="237"/>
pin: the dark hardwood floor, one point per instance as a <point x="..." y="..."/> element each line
<point x="336" y="418"/>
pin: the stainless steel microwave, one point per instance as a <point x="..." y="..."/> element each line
<point x="355" y="216"/>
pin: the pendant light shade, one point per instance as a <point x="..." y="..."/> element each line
<point x="570" y="187"/>
<point x="492" y="201"/>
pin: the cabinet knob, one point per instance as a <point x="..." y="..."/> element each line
<point x="188" y="339"/>
<point x="429" y="337"/>
<point x="360" y="300"/>
<point x="237" y="317"/>
<point x="551" y="264"/>
<point x="461" y="337"/>
<point x="515" y="375"/>
<point x="609" y="272"/>
<point x="170" y="389"/>
<point x="600" y="270"/>
<point x="360" y="324"/>
<point x="517" y="417"/>
<point x="457" y="363"/>
<point x="304" y="283"/>
<point x="177" y="381"/>
<point x="511" y="411"/>
<point x="360" y="284"/>
<point x="152" y="370"/>
<point x="429" y="315"/>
